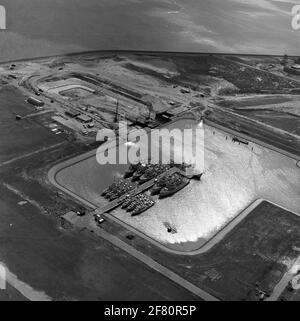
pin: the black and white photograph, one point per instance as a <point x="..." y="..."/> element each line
<point x="149" y="153"/>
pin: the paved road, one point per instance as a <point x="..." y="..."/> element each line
<point x="257" y="133"/>
<point x="27" y="155"/>
<point x="39" y="113"/>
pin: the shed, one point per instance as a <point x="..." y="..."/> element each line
<point x="72" y="113"/>
<point x="84" y="119"/>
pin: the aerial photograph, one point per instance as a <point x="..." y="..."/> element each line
<point x="150" y="152"/>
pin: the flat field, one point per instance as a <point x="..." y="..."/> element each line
<point x="20" y="137"/>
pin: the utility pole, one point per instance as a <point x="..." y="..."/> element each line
<point x="117" y="112"/>
<point x="150" y="109"/>
<point x="285" y="60"/>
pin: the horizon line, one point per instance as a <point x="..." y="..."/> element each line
<point x="135" y="51"/>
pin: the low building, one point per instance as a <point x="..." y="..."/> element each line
<point x="185" y="90"/>
<point x="71" y="217"/>
<point x="164" y="117"/>
<point x="177" y="110"/>
<point x="35" y="102"/>
<point x="84" y="119"/>
<point x="91" y="125"/>
<point x="72" y="113"/>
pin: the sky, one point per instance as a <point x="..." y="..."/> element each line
<point x="46" y="27"/>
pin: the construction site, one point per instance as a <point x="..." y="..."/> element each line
<point x="215" y="238"/>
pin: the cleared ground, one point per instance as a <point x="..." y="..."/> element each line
<point x="278" y="119"/>
<point x="257" y="253"/>
<point x="279" y="112"/>
<point x="63" y="265"/>
<point x="20" y="137"/>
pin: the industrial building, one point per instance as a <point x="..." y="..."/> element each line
<point x="84" y="119"/>
<point x="35" y="102"/>
<point x="72" y="113"/>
